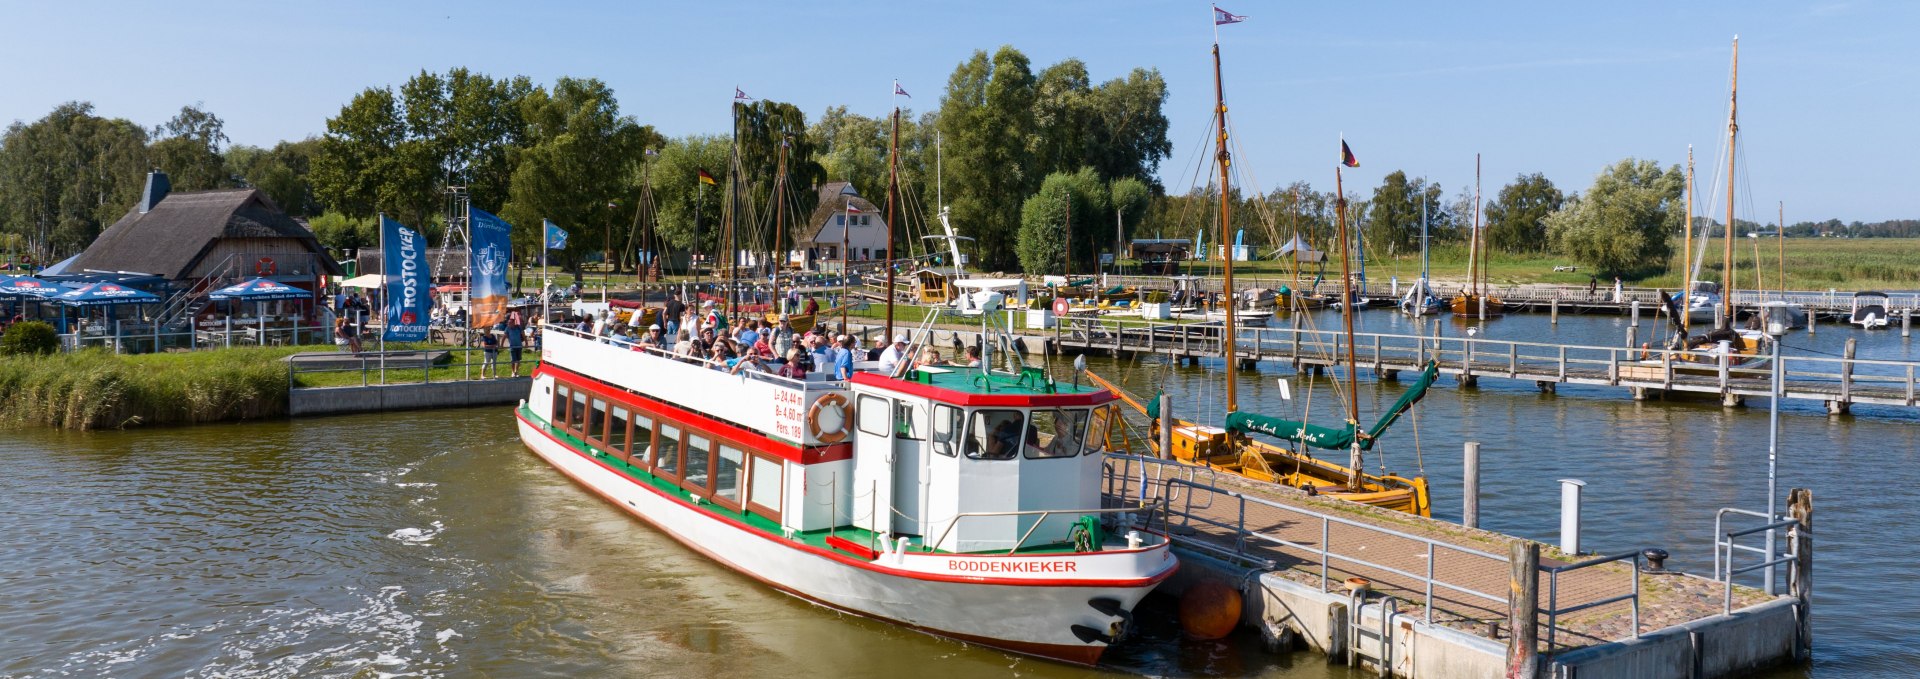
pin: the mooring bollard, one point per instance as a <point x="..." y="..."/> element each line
<point x="1554" y="312"/>
<point x="1636" y="313"/>
<point x="1570" y="515"/>
<point x="1470" y="482"/>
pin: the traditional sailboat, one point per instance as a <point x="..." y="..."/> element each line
<point x="1230" y="448"/>
<point x="1474" y="301"/>
<point x="1420" y="299"/>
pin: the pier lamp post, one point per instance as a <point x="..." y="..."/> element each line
<point x="1776" y="329"/>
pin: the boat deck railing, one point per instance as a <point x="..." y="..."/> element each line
<point x="818" y="380"/>
<point x="1149" y="509"/>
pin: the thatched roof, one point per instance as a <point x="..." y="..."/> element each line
<point x="834" y="196"/>
<point x="171" y="239"/>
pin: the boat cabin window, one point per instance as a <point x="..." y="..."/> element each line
<point x="577" y="415"/>
<point x="617" y="421"/>
<point x="729" y="475"/>
<point x="763" y="491"/>
<point x="872" y="414"/>
<point x="597" y="423"/>
<point x="560" y="396"/>
<point x="667" y="458"/>
<point x="699" y="463"/>
<point x="1056" y="432"/>
<point x="642" y="439"/>
<point x="995" y="434"/>
<point x="906" y="424"/>
<point x="946" y="430"/>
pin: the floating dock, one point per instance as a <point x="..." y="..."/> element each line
<point x="1443" y="600"/>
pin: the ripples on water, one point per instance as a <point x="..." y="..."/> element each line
<point x="420" y="544"/>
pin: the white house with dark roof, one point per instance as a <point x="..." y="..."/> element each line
<point x="864" y="233"/>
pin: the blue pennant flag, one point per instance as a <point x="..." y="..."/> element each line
<point x="404" y="258"/>
<point x="556" y="236"/>
<point x="490" y="243"/>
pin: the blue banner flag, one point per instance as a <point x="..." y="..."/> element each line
<point x="403" y="252"/>
<point x="556" y="236"/>
<point x="487" y="259"/>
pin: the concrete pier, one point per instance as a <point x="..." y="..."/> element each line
<point x="307" y="401"/>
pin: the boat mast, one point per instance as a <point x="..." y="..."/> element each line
<point x="1780" y="257"/>
<point x="1686" y="256"/>
<point x="731" y="215"/>
<point x="1226" y="279"/>
<point x="1475" y="265"/>
<point x="1424" y="260"/>
<point x="893" y="186"/>
<point x="1733" y="134"/>
<point x="1293" y="215"/>
<point x="1346" y="320"/>
<point x="779" y="260"/>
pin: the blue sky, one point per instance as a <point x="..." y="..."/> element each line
<point x="1828" y="89"/>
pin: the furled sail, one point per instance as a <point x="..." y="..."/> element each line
<point x="1331" y="438"/>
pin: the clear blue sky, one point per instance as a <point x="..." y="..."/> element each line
<point x="1828" y="88"/>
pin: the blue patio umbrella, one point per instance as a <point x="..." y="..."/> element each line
<point x="28" y="286"/>
<point x="101" y="294"/>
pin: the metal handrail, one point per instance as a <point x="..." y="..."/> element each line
<point x="1044" y="514"/>
<point x="1554" y="611"/>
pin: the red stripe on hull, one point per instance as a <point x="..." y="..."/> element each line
<point x="747" y="438"/>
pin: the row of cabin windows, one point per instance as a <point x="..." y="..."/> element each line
<point x="992" y="434"/>
<point x="716" y="470"/>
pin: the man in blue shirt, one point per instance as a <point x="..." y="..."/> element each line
<point x="516" y="339"/>
<point x="843" y="359"/>
<point x="748" y="335"/>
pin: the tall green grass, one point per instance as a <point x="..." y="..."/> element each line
<point x="95" y="389"/>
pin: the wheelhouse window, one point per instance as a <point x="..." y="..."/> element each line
<point x="1099" y="425"/>
<point x="617" y="421"/>
<point x="729" y="475"/>
<point x="906" y="422"/>
<point x="947" y="428"/>
<point x="995" y="434"/>
<point x="1056" y="432"/>
<point x="872" y="415"/>
<point x="667" y="458"/>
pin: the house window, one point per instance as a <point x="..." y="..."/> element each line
<point x="763" y="486"/>
<point x="699" y="464"/>
<point x="667" y="458"/>
<point x="842" y="218"/>
<point x="872" y="415"/>
<point x="617" y="430"/>
<point x="729" y="475"/>
<point x="866" y="220"/>
<point x="995" y="434"/>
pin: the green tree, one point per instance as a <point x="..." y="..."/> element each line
<point x="281" y="172"/>
<point x="1517" y="218"/>
<point x="577" y="167"/>
<point x="188" y="149"/>
<point x="67" y="175"/>
<point x="683" y="206"/>
<point x="341" y="232"/>
<point x="1130" y="198"/>
<point x="1130" y="138"/>
<point x="1050" y="241"/>
<point x="1621" y="224"/>
<point x="987" y="121"/>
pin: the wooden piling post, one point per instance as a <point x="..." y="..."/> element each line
<point x="1166" y="426"/>
<point x="1470" y="486"/>
<point x="1906" y="323"/>
<point x="1800" y="580"/>
<point x="1523" y="611"/>
<point x="1554" y="312"/>
<point x="1813" y="319"/>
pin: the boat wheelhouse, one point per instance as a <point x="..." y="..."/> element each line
<point x="961" y="502"/>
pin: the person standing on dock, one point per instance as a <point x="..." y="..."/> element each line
<point x="1593" y="286"/>
<point x="1618" y="293"/>
<point x="516" y="339"/>
<point x="490" y="352"/>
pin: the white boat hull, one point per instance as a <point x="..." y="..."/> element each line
<point x="1028" y="604"/>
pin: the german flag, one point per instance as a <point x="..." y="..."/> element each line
<point x="707" y="178"/>
<point x="1346" y="155"/>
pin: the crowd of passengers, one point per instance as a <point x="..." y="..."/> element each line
<point x="706" y="336"/>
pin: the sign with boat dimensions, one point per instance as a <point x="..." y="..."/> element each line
<point x="403" y="253"/>
<point x="490" y="243"/>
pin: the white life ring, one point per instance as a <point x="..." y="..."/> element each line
<point x="837" y="415"/>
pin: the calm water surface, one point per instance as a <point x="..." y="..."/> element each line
<point x="420" y="544"/>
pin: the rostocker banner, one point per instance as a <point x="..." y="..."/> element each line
<point x="491" y="241"/>
<point x="404" y="255"/>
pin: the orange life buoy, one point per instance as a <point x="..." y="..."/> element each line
<point x="265" y="267"/>
<point x="837" y="432"/>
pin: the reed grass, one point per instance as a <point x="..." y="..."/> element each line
<point x="95" y="389"/>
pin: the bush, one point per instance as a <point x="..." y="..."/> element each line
<point x="29" y="337"/>
<point x="1156" y="297"/>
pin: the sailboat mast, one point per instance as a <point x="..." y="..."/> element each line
<point x="1223" y="157"/>
<point x="1346" y="320"/>
<point x="1733" y="135"/>
<point x="1293" y="215"/>
<point x="732" y="216"/>
<point x="893" y="186"/>
<point x="1476" y="265"/>
<point x="1780" y="257"/>
<point x="1686" y="256"/>
<point x="779" y="260"/>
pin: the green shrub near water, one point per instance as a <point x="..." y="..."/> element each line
<point x="30" y="337"/>
<point x="95" y="389"/>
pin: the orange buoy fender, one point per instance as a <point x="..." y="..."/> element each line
<point x="1209" y="610"/>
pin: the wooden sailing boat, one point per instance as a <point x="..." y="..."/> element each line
<point x="1476" y="300"/>
<point x="1229" y="448"/>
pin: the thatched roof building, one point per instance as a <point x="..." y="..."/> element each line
<point x="189" y="236"/>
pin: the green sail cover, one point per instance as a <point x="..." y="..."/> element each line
<point x="1329" y="438"/>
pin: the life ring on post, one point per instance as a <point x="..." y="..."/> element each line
<point x="838" y="415"/>
<point x="265" y="267"/>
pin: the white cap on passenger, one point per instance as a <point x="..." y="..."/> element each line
<point x="900" y="339"/>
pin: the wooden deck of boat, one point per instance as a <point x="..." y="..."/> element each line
<point x="1251" y="523"/>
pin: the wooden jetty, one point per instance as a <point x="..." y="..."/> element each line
<point x="1837" y="382"/>
<point x="1408" y="596"/>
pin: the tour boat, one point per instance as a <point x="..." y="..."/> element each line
<point x="960" y="502"/>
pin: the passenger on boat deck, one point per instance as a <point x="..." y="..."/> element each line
<point x="843" y="359"/>
<point x="973" y="357"/>
<point x="685" y="346"/>
<point x="655" y="336"/>
<point x="748" y="335"/>
<point x="821" y="353"/>
<point x="929" y="357"/>
<point x="598" y="326"/>
<point x="798" y="364"/>
<point x="895" y="353"/>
